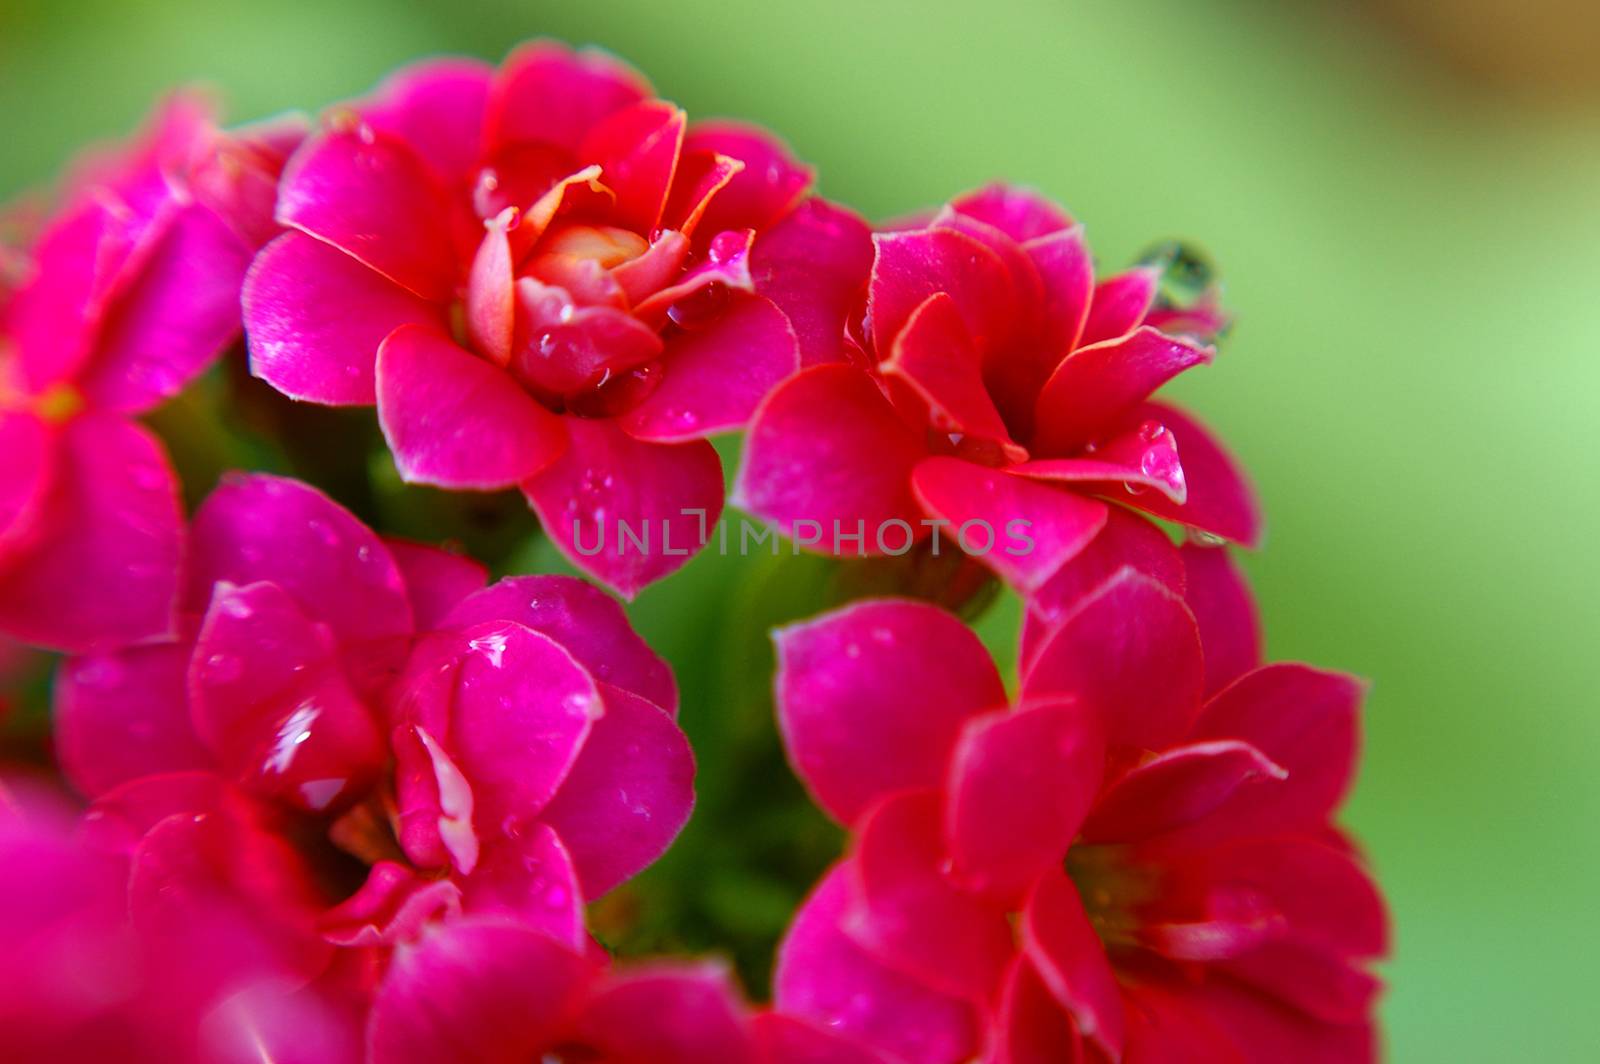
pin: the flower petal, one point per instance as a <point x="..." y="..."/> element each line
<point x="679" y="1014"/>
<point x="822" y="976"/>
<point x="25" y="479"/>
<point x="315" y="317"/>
<point x="771" y="183"/>
<point x="1267" y="1030"/>
<point x="872" y="697"/>
<point x="267" y="695"/>
<point x="788" y="1040"/>
<point x="256" y="527"/>
<point x="547" y="93"/>
<point x="909" y="916"/>
<point x="393" y="905"/>
<point x="1020" y="213"/>
<point x="1177" y="787"/>
<point x="587" y="622"/>
<point x="1302" y="718"/>
<point x="826" y="448"/>
<point x="1095" y="387"/>
<point x="174" y="317"/>
<point x="1031" y="528"/>
<point x="1131" y="651"/>
<point x="523" y="708"/>
<point x="1219" y="597"/>
<point x="455" y="421"/>
<point x="910" y="266"/>
<point x="717" y="376"/>
<point x="1220" y="499"/>
<point x="476" y="991"/>
<point x="814" y="264"/>
<point x="1058" y="938"/>
<point x="628" y="794"/>
<point x="529" y="877"/>
<point x="122" y="715"/>
<point x="637" y="149"/>
<point x="1120" y="304"/>
<point x="933" y="357"/>
<point x="625" y="511"/>
<point x="370" y="196"/>
<point x="101" y="568"/>
<point x="1021" y="782"/>
<point x="1033" y="1026"/>
<point x="437" y="107"/>
<point x="437" y="580"/>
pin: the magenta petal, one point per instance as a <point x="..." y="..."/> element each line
<point x="1139" y="465"/>
<point x="104" y="567"/>
<point x="872" y="697"/>
<point x="701" y="176"/>
<point x="256" y="527"/>
<point x="529" y="877"/>
<point x="370" y="196"/>
<point x="547" y="93"/>
<point x="123" y="715"/>
<point x="437" y="580"/>
<point x="437" y="107"/>
<point x="523" y="709"/>
<point x="176" y="316"/>
<point x="1033" y="1026"/>
<point x="1120" y="304"/>
<point x="315" y="317"/>
<point x="491" y="300"/>
<point x="587" y="622"/>
<point x="268" y="1022"/>
<point x="814" y="264"/>
<point x="1320" y="983"/>
<point x="122" y="816"/>
<point x="626" y="511"/>
<point x="822" y="976"/>
<point x="30" y="451"/>
<point x="637" y="150"/>
<point x="826" y="451"/>
<point x="1230" y="628"/>
<point x="934" y="358"/>
<point x="717" y="376"/>
<point x="1267" y="1030"/>
<point x="1022" y="529"/>
<point x="1062" y="944"/>
<point x="1303" y="719"/>
<point x="474" y="991"/>
<point x="913" y="919"/>
<point x="770" y="184"/>
<point x="1127" y="539"/>
<point x="1168" y="1025"/>
<point x="1177" y="787"/>
<point x="266" y="694"/>
<point x="1020" y="784"/>
<point x="1131" y="651"/>
<point x="913" y="265"/>
<point x="789" y="1040"/>
<point x="1219" y="498"/>
<point x="1096" y="387"/>
<point x="1020" y="213"/>
<point x="393" y="905"/>
<point x="455" y="421"/>
<point x="627" y="796"/>
<point x="678" y="1014"/>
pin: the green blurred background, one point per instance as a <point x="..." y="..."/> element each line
<point x="1413" y="257"/>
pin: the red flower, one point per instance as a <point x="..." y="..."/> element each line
<point x="987" y="379"/>
<point x="544" y="278"/>
<point x="1133" y="861"/>
<point x="126" y="294"/>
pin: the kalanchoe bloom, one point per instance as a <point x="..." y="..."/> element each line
<point x="1134" y="861"/>
<point x="544" y="278"/>
<point x="122" y="296"/>
<point x="979" y="376"/>
<point x="353" y="738"/>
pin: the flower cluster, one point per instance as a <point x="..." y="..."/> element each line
<point x="336" y="796"/>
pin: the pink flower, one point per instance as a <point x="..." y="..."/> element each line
<point x="127" y="293"/>
<point x="543" y="278"/>
<point x="1133" y="860"/>
<point x="978" y="376"/>
<point x="353" y="738"/>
